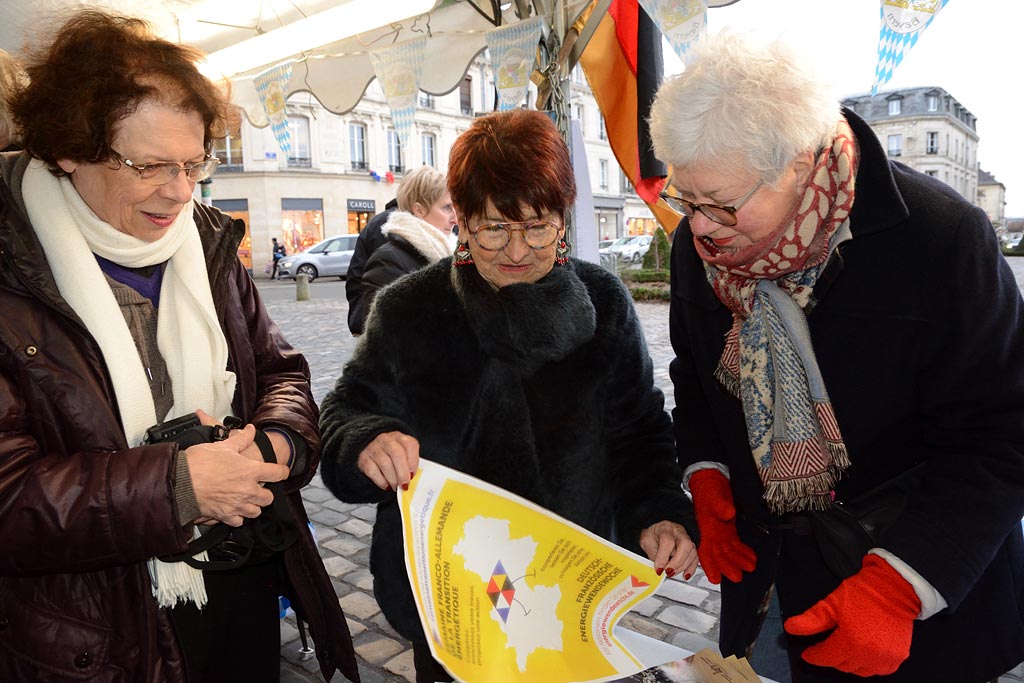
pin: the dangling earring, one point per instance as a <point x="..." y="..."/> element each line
<point x="462" y="255"/>
<point x="562" y="252"/>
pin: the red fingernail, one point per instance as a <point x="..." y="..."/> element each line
<point x="412" y="474"/>
<point x="686" y="577"/>
<point x="670" y="572"/>
<point x="388" y="487"/>
<point x="658" y="570"/>
<point x="405" y="487"/>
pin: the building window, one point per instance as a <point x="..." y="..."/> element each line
<point x="933" y="103"/>
<point x="895" y="145"/>
<point x="357" y="145"/>
<point x="931" y="144"/>
<point x="579" y="114"/>
<point x="604" y="174"/>
<point x="298" y="155"/>
<point x="394" y="152"/>
<point x="229" y="149"/>
<point x="602" y="132"/>
<point x="429" y="143"/>
<point x="466" y="96"/>
<point x="426" y="100"/>
<point x="933" y="173"/>
<point x="894" y="106"/>
<point x="302" y="223"/>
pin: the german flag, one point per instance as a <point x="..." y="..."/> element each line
<point x="623" y="63"/>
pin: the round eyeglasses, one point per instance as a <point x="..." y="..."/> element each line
<point x="723" y="215"/>
<point x="496" y="236"/>
<point x="165" y="171"/>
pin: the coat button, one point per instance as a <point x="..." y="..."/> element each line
<point x="31" y="350"/>
<point x="83" y="660"/>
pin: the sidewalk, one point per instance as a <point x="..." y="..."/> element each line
<point x="682" y="613"/>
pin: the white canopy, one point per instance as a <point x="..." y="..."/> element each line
<point x="337" y="73"/>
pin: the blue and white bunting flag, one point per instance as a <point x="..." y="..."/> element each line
<point x="680" y="21"/>
<point x="270" y="86"/>
<point x="398" y="68"/>
<point x="903" y="22"/>
<point x="513" y="52"/>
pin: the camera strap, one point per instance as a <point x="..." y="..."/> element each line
<point x="230" y="547"/>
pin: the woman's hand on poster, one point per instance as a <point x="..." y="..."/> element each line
<point x="669" y="546"/>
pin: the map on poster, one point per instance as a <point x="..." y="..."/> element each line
<point x="508" y="591"/>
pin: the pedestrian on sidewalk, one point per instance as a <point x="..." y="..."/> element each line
<point x="277" y="252"/>
<point x="125" y="307"/>
<point x="839" y="320"/>
<point x="511" y="362"/>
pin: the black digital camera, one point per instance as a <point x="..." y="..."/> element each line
<point x="188" y="431"/>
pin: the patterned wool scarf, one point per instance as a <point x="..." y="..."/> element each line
<point x="768" y="361"/>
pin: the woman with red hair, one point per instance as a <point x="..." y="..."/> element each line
<point x="511" y="362"/>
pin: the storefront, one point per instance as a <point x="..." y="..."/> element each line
<point x="359" y="212"/>
<point x="608" y="217"/>
<point x="302" y="223"/>
<point x="239" y="208"/>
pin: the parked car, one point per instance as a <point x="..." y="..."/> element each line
<point x="631" y="249"/>
<point x="324" y="259"/>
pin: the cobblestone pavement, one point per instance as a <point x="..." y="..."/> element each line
<point x="683" y="613"/>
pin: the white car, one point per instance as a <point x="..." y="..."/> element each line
<point x="631" y="249"/>
<point x="324" y="259"/>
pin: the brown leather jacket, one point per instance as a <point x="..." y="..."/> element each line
<point x="80" y="511"/>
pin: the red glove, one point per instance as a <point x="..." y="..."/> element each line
<point x="873" y="614"/>
<point x="720" y="551"/>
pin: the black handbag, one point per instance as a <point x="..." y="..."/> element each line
<point x="848" y="529"/>
<point x="229" y="547"/>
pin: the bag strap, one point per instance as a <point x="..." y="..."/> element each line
<point x="275" y="527"/>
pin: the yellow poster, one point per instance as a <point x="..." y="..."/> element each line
<point x="507" y="591"/>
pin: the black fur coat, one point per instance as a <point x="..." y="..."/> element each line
<point x="543" y="389"/>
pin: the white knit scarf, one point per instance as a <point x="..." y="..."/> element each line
<point x="189" y="336"/>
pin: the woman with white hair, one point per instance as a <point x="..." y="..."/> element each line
<point x="839" y="320"/>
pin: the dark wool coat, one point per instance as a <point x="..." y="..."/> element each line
<point x="390" y="261"/>
<point x="369" y="240"/>
<point x="544" y="389"/>
<point x="918" y="328"/>
<point x="80" y="512"/>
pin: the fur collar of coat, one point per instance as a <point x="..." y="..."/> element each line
<point x="433" y="244"/>
<point x="527" y="325"/>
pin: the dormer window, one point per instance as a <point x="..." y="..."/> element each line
<point x="895" y="106"/>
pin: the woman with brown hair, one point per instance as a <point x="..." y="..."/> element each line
<point x="514" y="363"/>
<point x="125" y="306"/>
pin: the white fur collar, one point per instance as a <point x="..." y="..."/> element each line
<point x="424" y="237"/>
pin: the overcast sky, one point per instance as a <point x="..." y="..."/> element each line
<point x="974" y="49"/>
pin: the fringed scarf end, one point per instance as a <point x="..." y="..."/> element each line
<point x="782" y="497"/>
<point x="730" y="381"/>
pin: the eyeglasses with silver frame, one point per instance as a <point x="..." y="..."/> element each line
<point x="165" y="171"/>
<point x="723" y="215"/>
<point x="496" y="236"/>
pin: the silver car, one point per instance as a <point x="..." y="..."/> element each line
<point x="324" y="259"/>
